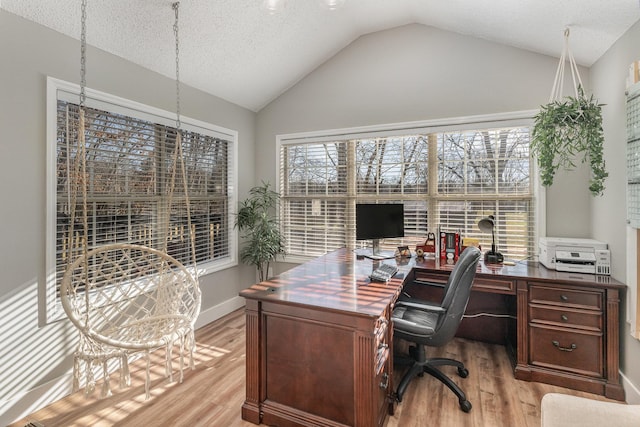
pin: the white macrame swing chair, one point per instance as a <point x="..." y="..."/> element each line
<point x="126" y="299"/>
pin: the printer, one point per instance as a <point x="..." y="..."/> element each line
<point x="574" y="255"/>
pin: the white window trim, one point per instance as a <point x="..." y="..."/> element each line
<point x="498" y="120"/>
<point x="62" y="90"/>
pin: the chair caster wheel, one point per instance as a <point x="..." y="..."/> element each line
<point x="463" y="372"/>
<point x="465" y="405"/>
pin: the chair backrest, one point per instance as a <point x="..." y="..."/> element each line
<point x="456" y="296"/>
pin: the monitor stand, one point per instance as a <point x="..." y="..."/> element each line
<point x="376" y="253"/>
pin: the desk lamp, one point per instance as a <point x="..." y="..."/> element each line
<point x="488" y="225"/>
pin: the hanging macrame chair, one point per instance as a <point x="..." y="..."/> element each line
<point x="125" y="299"/>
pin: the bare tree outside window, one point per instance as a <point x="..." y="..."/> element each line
<point x="476" y="173"/>
<point x="129" y="187"/>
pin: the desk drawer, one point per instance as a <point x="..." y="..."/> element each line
<point x="501" y="286"/>
<point x="485" y="284"/>
<point x="566" y="350"/>
<point x="565" y="297"/>
<point x="566" y="317"/>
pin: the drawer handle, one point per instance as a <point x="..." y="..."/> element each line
<point x="385" y="381"/>
<point x="556" y="344"/>
<point x="564" y="318"/>
<point x="564" y="298"/>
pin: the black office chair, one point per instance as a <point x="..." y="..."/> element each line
<point x="425" y="324"/>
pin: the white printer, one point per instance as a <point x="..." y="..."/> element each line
<point x="575" y="255"/>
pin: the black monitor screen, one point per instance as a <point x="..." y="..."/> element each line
<point x="379" y="221"/>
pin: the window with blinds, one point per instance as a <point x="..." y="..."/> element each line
<point x="135" y="192"/>
<point x="446" y="180"/>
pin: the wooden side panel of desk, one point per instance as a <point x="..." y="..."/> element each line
<point x="613" y="388"/>
<point x="251" y="406"/>
<point x="310" y="366"/>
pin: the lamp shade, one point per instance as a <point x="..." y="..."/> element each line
<point x="486" y="224"/>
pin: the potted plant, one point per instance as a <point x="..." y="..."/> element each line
<point x="256" y="220"/>
<point x="565" y="129"/>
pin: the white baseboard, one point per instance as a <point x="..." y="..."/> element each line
<point x="26" y="403"/>
<point x="217" y="311"/>
<point x="631" y="391"/>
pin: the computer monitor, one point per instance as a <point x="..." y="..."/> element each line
<point x="379" y="221"/>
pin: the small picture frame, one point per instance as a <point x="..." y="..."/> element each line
<point x="404" y="251"/>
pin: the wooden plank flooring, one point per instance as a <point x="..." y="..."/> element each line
<point x="212" y="394"/>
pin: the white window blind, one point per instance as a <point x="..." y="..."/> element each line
<point x="447" y="180"/>
<point x="487" y="172"/>
<point x="314" y="198"/>
<point x="135" y="189"/>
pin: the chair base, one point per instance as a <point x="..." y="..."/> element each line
<point x="420" y="364"/>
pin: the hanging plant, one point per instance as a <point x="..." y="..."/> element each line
<point x="569" y="128"/>
<point x="565" y="130"/>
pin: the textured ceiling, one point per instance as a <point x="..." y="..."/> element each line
<point x="234" y="49"/>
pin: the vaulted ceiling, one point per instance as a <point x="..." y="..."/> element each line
<point x="237" y="50"/>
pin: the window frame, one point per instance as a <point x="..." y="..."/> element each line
<point x="524" y="118"/>
<point x="62" y="90"/>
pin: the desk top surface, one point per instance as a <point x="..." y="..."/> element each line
<point x="340" y="281"/>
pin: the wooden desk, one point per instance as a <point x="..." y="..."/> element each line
<point x="319" y="336"/>
<point x="564" y="328"/>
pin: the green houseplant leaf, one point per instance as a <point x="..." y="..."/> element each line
<point x="256" y="220"/>
<point x="568" y="129"/>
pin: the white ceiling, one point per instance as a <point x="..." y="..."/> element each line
<point x="234" y="49"/>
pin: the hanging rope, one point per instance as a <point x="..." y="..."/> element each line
<point x="558" y="83"/>
<point x="176" y="7"/>
<point x="81" y="152"/>
<point x="178" y="152"/>
<point x="83" y="52"/>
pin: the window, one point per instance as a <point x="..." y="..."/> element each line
<point x="447" y="176"/>
<point x="130" y="153"/>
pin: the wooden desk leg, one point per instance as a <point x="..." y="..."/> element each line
<point x="613" y="388"/>
<point x="251" y="406"/>
<point x="522" y="371"/>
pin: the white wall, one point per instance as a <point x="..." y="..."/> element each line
<point x="608" y="76"/>
<point x="35" y="357"/>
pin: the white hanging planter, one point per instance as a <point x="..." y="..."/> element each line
<point x="569" y="128"/>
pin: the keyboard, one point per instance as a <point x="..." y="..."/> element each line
<point x="383" y="273"/>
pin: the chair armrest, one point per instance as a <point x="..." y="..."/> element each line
<point x="422" y="306"/>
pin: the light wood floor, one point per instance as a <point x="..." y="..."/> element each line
<point x="212" y="394"/>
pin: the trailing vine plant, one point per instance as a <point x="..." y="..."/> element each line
<point x="565" y="130"/>
<point x="569" y="127"/>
